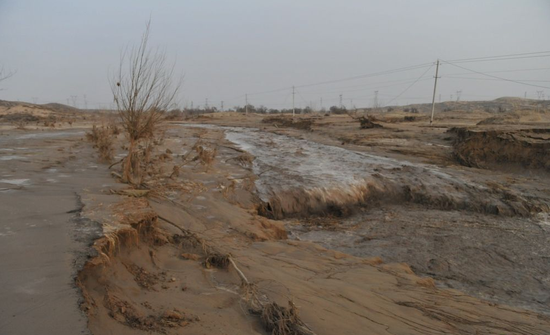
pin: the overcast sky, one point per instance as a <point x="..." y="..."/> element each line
<point x="64" y="48"/>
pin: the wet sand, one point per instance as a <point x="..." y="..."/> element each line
<point x="42" y="241"/>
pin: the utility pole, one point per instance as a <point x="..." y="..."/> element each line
<point x="221" y="109"/>
<point x="435" y="88"/>
<point x="206" y="103"/>
<point x="85" y="102"/>
<point x="321" y="104"/>
<point x="246" y="104"/>
<point x="375" y="102"/>
<point x="525" y="95"/>
<point x="293" y="94"/>
<point x="458" y="93"/>
<point x="191" y="105"/>
<point x="341" y="101"/>
<point x="539" y="93"/>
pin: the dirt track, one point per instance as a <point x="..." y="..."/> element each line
<point x="43" y="242"/>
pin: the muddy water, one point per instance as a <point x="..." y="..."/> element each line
<point x="297" y="177"/>
<point x="500" y="258"/>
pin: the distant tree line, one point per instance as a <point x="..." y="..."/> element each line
<point x="176" y="113"/>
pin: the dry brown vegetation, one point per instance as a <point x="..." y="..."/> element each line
<point x="143" y="89"/>
<point x="365" y="121"/>
<point x="102" y="137"/>
<point x="289" y="122"/>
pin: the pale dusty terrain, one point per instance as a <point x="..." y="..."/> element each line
<point x="301" y="232"/>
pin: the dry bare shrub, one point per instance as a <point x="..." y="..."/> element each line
<point x="143" y="89"/>
<point x="103" y="139"/>
<point x="114" y="129"/>
<point x="5" y="74"/>
<point x="205" y="156"/>
<point x="93" y="135"/>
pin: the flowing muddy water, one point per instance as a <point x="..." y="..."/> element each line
<point x="441" y="221"/>
<point x="299" y="178"/>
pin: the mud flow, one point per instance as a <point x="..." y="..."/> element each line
<point x="300" y="178"/>
<point x="459" y="227"/>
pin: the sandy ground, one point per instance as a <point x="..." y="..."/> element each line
<point x="42" y="241"/>
<point x="342" y="263"/>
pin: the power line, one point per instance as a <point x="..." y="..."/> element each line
<point x="523" y="80"/>
<point x="411" y="85"/>
<point x="502" y="71"/>
<point x="301" y="97"/>
<point x="499" y="59"/>
<point x="374" y="74"/>
<point x="421" y="66"/>
<point x="503" y="57"/>
<point x="374" y="85"/>
<point x="492" y="76"/>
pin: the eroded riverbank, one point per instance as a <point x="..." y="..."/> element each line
<point x="150" y="272"/>
<point x="458" y="226"/>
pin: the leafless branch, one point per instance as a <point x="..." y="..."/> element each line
<point x="143" y="89"/>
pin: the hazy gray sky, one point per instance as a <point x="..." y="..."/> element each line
<point x="63" y="48"/>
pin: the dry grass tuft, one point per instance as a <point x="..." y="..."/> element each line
<point x="206" y="156"/>
<point x="102" y="138"/>
<point x="245" y="160"/>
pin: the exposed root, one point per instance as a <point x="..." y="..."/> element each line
<point x="217" y="260"/>
<point x="126" y="313"/>
<point x="281" y="320"/>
